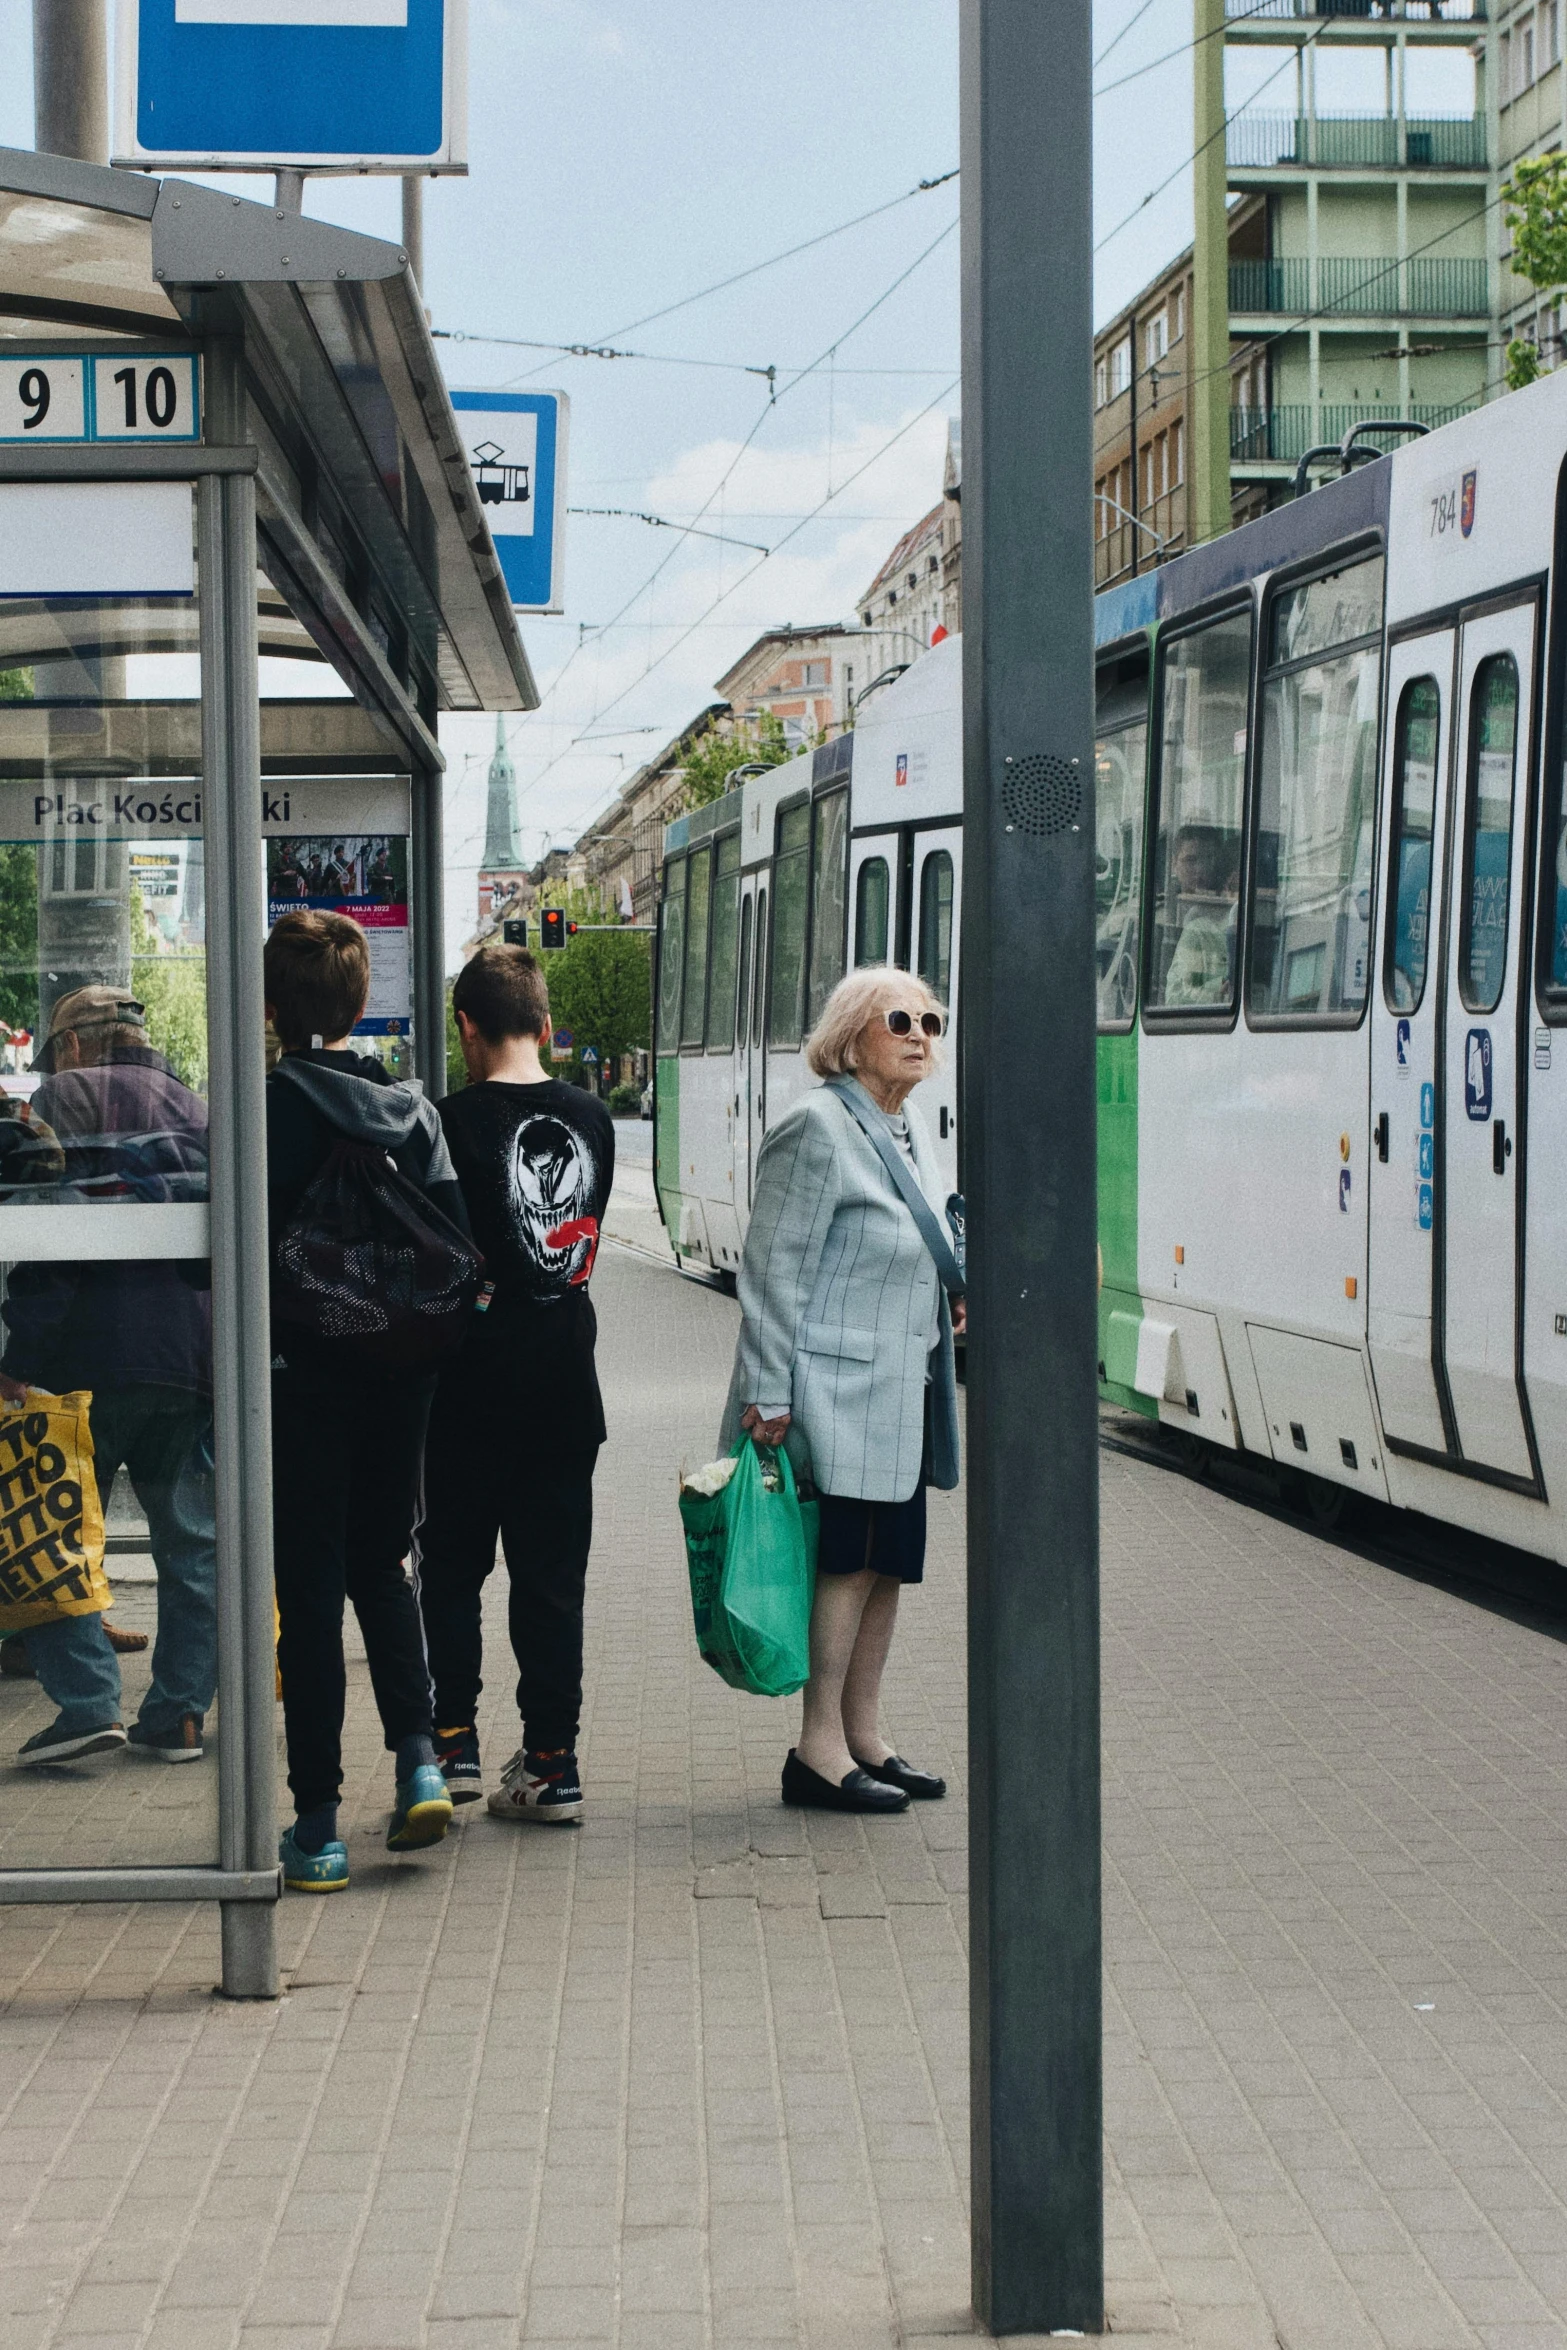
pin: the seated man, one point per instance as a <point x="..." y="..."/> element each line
<point x="138" y="1337"/>
<point x="1205" y="871"/>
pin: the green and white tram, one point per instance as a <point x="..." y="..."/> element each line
<point x="1332" y="973"/>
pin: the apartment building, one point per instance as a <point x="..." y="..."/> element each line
<point x="806" y="678"/>
<point x="1531" y="119"/>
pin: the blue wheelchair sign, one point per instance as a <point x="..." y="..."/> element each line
<point x="1477" y="1074"/>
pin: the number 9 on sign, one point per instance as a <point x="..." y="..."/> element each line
<point x="41" y="399"/>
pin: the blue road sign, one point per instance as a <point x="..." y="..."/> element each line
<point x="368" y="85"/>
<point x="516" y="444"/>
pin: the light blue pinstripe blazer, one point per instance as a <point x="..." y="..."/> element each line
<point x="837" y="1297"/>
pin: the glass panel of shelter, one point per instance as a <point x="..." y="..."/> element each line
<point x="108" y="1560"/>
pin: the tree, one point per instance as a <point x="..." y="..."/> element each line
<point x="1537" y="192"/>
<point x="715" y="757"/>
<point x="601" y="993"/>
<point x="171" y="983"/>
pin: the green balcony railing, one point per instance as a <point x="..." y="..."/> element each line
<point x="1267" y="142"/>
<point x="1283" y="434"/>
<point x="1362" y="285"/>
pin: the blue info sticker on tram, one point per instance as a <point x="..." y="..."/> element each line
<point x="1428" y="1105"/>
<point x="1477" y="1074"/>
<point x="1424" y="1207"/>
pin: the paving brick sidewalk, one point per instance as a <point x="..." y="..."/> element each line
<point x="697" y="2075"/>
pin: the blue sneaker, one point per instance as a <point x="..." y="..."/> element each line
<point x="422" y="1812"/>
<point x="325" y="1871"/>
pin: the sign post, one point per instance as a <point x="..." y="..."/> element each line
<point x="1028" y="982"/>
<point x="292" y="85"/>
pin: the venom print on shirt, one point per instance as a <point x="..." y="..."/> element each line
<point x="553" y="1182"/>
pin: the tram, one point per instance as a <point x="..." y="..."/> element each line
<point x="1332" y="974"/>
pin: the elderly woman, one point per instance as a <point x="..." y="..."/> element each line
<point x="845" y="1355"/>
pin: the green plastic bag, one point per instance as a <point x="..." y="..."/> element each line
<point x="751" y="1556"/>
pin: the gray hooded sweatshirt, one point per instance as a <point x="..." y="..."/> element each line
<point x="316" y="1098"/>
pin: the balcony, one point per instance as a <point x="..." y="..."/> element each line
<point x="1274" y="142"/>
<point x="1281" y="435"/>
<point x="1374" y="11"/>
<point x="1362" y="286"/>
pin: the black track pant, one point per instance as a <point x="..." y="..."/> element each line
<point x="486" y="1478"/>
<point x="345" y="1482"/>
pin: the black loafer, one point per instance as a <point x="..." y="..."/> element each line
<point x="858" y="1792"/>
<point x="922" y="1786"/>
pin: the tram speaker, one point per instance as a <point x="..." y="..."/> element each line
<point x="1041" y="793"/>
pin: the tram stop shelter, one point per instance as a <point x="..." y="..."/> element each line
<point x="243" y="567"/>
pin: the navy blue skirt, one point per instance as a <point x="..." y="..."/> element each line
<point x="888" y="1536"/>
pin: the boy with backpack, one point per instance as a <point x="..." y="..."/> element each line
<point x="517" y="1421"/>
<point x="373" y="1275"/>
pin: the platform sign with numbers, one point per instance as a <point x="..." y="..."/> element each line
<point x="119" y="395"/>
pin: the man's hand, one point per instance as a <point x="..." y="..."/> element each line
<point x="765" y="1431"/>
<point x="959" y="1316"/>
<point x="12" y="1390"/>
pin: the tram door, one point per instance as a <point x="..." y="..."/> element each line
<point x="743" y="1060"/>
<point x="750" y="1129"/>
<point x="1480" y="1080"/>
<point x="1405" y="1027"/>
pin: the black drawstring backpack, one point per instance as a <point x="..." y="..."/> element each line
<point x="369" y="1263"/>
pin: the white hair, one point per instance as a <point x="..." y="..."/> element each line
<point x="855" y="1001"/>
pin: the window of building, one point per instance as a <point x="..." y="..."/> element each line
<point x="935" y="939"/>
<point x="829" y="901"/>
<point x="725" y="949"/>
<point x="1156" y="337"/>
<point x="699" y="891"/>
<point x="914" y="579"/>
<point x="1488" y="833"/>
<point x="1505" y="73"/>
<point x="1101" y="382"/>
<point x="1120" y="367"/>
<point x="1551" y="34"/>
<point x="1203" y="696"/>
<point x="1523" y="50"/>
<point x="1316" y="800"/>
<point x="1178" y="309"/>
<point x="866" y="618"/>
<point x="791" y="881"/>
<point x="815" y="673"/>
<point x="872" y="905"/>
<point x="933" y="563"/>
<point x="1415" y="744"/>
<point x="671" y="954"/>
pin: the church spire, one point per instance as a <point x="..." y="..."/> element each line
<point x="501" y="850"/>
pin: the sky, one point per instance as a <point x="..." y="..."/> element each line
<point x="624" y="158"/>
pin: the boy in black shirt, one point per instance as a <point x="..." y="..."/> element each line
<point x="517" y="1421"/>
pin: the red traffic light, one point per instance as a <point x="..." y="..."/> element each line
<point x="554" y="929"/>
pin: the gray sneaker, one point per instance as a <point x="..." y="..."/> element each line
<point x="179" y="1743"/>
<point x="57" y="1744"/>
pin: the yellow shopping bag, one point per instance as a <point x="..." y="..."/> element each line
<point x="51" y="1520"/>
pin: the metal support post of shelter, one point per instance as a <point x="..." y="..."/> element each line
<point x="1033" y="1470"/>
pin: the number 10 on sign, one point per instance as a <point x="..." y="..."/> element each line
<point x="99" y="396"/>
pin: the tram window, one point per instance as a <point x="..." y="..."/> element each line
<point x="1488" y="833"/>
<point x="721" y="969"/>
<point x="1120" y="764"/>
<point x="872" y="902"/>
<point x="699" y="892"/>
<point x="759" y="969"/>
<point x="829" y="900"/>
<point x="743" y="992"/>
<point x="1197" y="843"/>
<point x="1415" y="737"/>
<point x="935" y="943"/>
<point x="1316" y="801"/>
<point x="791" y="876"/>
<point x="671" y="954"/>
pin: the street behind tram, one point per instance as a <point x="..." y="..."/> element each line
<point x="698" y="2075"/>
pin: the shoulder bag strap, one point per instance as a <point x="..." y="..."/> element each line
<point x="908" y="1185"/>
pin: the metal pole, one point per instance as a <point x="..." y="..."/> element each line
<point x="1028" y="947"/>
<point x="429" y="940"/>
<point x="413" y="229"/>
<point x="1210" y="279"/>
<point x="242" y="1417"/>
<point x="71" y="79"/>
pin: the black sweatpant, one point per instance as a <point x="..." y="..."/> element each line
<point x="487" y="1476"/>
<point x="345" y="1482"/>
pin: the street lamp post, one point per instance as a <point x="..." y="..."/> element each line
<point x="1029" y="1111"/>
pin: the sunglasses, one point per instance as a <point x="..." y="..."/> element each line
<point x="901" y="1023"/>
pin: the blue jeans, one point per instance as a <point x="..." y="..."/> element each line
<point x="162" y="1436"/>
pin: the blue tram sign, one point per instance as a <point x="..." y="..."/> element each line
<point x="516" y="445"/>
<point x="252" y="85"/>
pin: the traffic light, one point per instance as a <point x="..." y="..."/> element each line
<point x="515" y="933"/>
<point x="554" y="929"/>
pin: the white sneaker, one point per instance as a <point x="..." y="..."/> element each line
<point x="543" y="1787"/>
